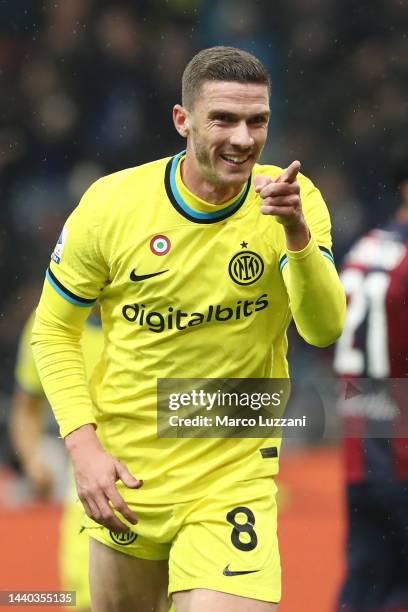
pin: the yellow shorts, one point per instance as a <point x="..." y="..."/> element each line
<point x="74" y="554"/>
<point x="226" y="541"/>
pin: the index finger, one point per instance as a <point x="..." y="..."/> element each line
<point x="290" y="174"/>
<point x="107" y="517"/>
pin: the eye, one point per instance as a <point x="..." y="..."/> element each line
<point x="224" y="118"/>
<point x="258" y="120"/>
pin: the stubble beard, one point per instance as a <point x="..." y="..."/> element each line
<point x="203" y="158"/>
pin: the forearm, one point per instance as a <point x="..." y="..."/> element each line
<point x="316" y="296"/>
<point x="57" y="351"/>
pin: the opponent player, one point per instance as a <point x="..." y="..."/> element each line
<point x="26" y="424"/>
<point x="374" y="346"/>
<point x="199" y="262"/>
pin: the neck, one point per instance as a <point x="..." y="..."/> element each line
<point x="203" y="188"/>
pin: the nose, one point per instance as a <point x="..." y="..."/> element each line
<point x="241" y="137"/>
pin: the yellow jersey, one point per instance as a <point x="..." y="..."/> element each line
<point x="73" y="544"/>
<point x="187" y="289"/>
<point x="25" y="372"/>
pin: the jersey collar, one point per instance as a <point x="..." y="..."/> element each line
<point x="189" y="205"/>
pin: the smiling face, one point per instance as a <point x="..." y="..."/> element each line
<point x="226" y="131"/>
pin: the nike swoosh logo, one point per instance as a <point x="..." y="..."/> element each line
<point x="228" y="572"/>
<point x="135" y="277"/>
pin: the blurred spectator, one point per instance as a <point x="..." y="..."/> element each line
<point x="28" y="429"/>
<point x="372" y="357"/>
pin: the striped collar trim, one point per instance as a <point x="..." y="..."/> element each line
<point x="185" y="209"/>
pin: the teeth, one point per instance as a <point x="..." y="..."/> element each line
<point x="236" y="160"/>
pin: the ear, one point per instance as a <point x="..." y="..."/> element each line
<point x="181" y="120"/>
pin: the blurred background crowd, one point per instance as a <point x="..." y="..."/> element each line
<point x="87" y="88"/>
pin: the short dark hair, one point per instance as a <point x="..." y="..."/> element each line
<point x="220" y="64"/>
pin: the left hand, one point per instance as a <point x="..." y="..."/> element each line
<point x="281" y="198"/>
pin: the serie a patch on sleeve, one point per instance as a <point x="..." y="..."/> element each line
<point x="59" y="247"/>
